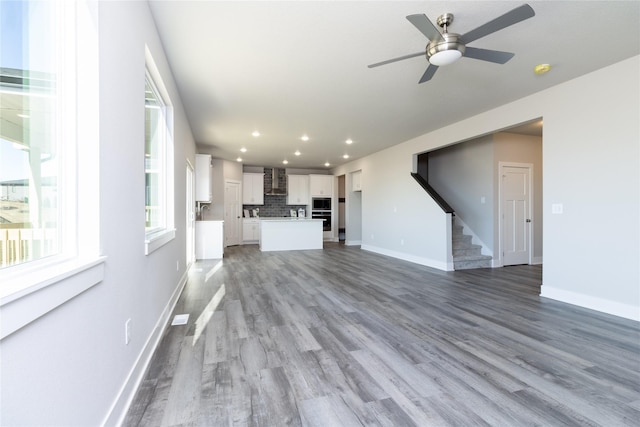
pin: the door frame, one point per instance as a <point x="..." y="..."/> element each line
<point x="529" y="167"/>
<point x="191" y="215"/>
<point x="238" y="214"/>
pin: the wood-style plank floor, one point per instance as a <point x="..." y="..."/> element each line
<point x="344" y="337"/>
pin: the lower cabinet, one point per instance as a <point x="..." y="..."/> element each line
<point x="209" y="238"/>
<point x="250" y="230"/>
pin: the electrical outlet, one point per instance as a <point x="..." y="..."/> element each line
<point x="401" y="242"/>
<point x="177" y="265"/>
<point x="127" y="331"/>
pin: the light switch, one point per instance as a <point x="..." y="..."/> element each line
<point x="557" y="208"/>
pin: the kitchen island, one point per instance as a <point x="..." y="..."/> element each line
<point x="290" y="234"/>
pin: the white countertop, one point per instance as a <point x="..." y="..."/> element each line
<point x="289" y="219"/>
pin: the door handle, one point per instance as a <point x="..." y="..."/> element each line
<point x="528" y="220"/>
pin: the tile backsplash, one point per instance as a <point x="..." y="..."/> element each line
<point x="274" y="206"/>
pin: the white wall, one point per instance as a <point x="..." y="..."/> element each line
<point x="71" y="366"/>
<point x="590" y="165"/>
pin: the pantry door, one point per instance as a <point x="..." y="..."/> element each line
<point x="232" y="210"/>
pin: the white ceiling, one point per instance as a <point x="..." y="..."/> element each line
<point x="293" y="68"/>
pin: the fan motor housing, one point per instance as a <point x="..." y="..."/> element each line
<point x="450" y="42"/>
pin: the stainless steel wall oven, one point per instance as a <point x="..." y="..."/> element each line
<point x="321" y="209"/>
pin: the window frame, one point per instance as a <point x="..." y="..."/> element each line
<point x="159" y="236"/>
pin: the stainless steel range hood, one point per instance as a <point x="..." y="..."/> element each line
<point x="276" y="190"/>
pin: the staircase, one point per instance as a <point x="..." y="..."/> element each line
<point x="466" y="255"/>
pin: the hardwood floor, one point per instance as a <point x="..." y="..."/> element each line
<point x="344" y="337"/>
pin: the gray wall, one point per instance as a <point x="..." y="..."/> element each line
<point x="462" y="174"/>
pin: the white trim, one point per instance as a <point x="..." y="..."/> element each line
<point x="536" y="260"/>
<point x="157" y="240"/>
<point x="352" y="242"/>
<point x="446" y="266"/>
<point x="122" y="402"/>
<point x="627" y="311"/>
<point x="45" y="289"/>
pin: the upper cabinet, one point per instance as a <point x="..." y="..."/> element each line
<point x="253" y="189"/>
<point x="356" y="181"/>
<point x="297" y="189"/>
<point x="321" y="185"/>
<point x="203" y="178"/>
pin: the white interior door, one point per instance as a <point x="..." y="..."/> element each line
<point x="515" y="203"/>
<point x="232" y="209"/>
<point x="191" y="216"/>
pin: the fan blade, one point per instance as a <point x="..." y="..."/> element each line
<point x="426" y="27"/>
<point x="496" y="56"/>
<point x="513" y="17"/>
<point x="389" y="61"/>
<point x="429" y="72"/>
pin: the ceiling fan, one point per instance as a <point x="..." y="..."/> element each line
<point x="445" y="48"/>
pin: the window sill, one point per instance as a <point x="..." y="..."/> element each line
<point x="157" y="240"/>
<point x="28" y="296"/>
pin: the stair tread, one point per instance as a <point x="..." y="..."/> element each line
<point x="471" y="257"/>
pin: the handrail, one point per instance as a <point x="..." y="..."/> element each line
<point x="433" y="193"/>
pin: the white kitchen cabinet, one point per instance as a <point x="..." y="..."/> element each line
<point x="253" y="189"/>
<point x="297" y="190"/>
<point x="321" y="185"/>
<point x="250" y="230"/>
<point x="356" y="181"/>
<point x="203" y="178"/>
<point x="209" y="239"/>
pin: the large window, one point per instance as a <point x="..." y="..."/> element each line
<point x="158" y="162"/>
<point x="32" y="135"/>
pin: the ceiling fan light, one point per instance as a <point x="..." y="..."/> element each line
<point x="445" y="57"/>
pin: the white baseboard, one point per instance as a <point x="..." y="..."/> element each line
<point x="594" y="303"/>
<point x="352" y="242"/>
<point x="536" y="260"/>
<point x="121" y="405"/>
<point x="411" y="258"/>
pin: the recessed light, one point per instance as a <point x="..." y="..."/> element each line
<point x="239" y="159"/>
<point x="346" y="156"/>
<point x="24" y="116"/>
<point x="285" y="162"/>
<point x="304" y="138"/>
<point x="349" y="141"/>
<point x="541" y="68"/>
<point x="297" y="153"/>
<point x="243" y="150"/>
<point x="327" y="164"/>
<point x="255" y="133"/>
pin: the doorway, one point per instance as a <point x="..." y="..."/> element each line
<point x="515" y="196"/>
<point x="232" y="210"/>
<point x="342" y="223"/>
<point x="190" y="216"/>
